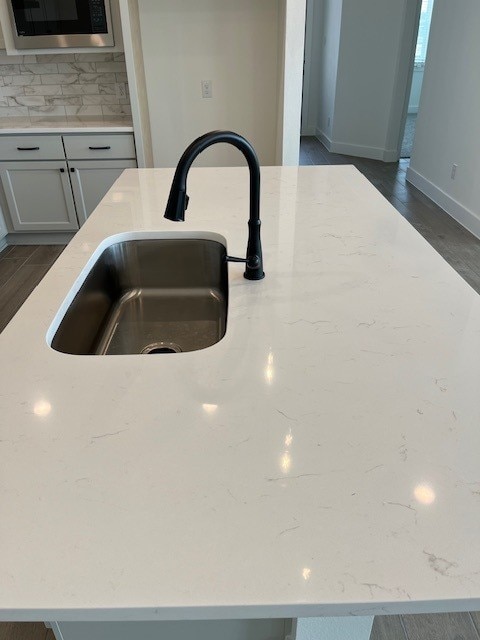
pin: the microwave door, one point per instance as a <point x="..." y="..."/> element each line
<point x="52" y="17"/>
<point x="54" y="11"/>
<point x="61" y="23"/>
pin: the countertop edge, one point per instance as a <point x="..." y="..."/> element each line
<point x="240" y="612"/>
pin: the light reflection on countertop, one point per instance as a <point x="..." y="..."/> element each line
<point x="42" y="408"/>
<point x="269" y="369"/>
<point x="424" y="494"/>
<point x="209" y="408"/>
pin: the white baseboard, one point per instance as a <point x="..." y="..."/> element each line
<point x="3" y="243"/>
<point x="374" y="153"/>
<point x="324" y="139"/>
<point x="413" y="109"/>
<point x="461" y="214"/>
<point x="359" y="151"/>
<point x="391" y="155"/>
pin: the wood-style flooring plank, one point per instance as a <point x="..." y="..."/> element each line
<point x="17" y="289"/>
<point x="476" y="621"/>
<point x="19" y="251"/>
<point x="25" y="631"/>
<point x="21" y="269"/>
<point x="440" y="626"/>
<point x="387" y="628"/>
<point x="8" y="268"/>
<point x="45" y="254"/>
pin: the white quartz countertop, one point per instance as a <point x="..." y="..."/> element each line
<point x="322" y="459"/>
<point x="72" y="124"/>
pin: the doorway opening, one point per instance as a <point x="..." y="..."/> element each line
<point x="417" y="78"/>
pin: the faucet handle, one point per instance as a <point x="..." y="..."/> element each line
<point x="233" y="259"/>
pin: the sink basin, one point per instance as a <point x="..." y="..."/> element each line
<point x="149" y="296"/>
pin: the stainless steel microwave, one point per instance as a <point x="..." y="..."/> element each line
<point x="47" y="24"/>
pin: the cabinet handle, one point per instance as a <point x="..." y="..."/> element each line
<point x="72" y="170"/>
<point x="62" y="170"/>
<point x="28" y="148"/>
<point x="100" y="148"/>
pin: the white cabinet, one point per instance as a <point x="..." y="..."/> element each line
<point x="32" y="148"/>
<point x="91" y="179"/>
<point x="95" y="161"/>
<point x="39" y="195"/>
<point x="264" y="629"/>
<point x="53" y="182"/>
<point x="99" y="146"/>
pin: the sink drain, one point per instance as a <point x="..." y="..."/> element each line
<point x="162" y="347"/>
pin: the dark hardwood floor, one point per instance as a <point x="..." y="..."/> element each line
<point x="22" y="268"/>
<point x="25" y="631"/>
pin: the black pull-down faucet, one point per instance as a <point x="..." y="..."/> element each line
<point x="178" y="198"/>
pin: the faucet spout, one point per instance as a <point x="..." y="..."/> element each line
<point x="178" y="199"/>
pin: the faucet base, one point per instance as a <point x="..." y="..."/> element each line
<point x="254" y="275"/>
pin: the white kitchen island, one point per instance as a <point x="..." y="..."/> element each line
<point x="322" y="459"/>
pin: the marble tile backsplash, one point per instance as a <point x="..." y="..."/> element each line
<point x="77" y="84"/>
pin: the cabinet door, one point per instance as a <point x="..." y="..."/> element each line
<point x="92" y="179"/>
<point x="39" y="196"/>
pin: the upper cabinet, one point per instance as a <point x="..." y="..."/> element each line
<point x="76" y="43"/>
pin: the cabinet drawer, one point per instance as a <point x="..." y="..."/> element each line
<point x="99" y="146"/>
<point x="48" y="147"/>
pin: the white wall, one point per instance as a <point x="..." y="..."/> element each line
<point x="2" y="39"/>
<point x="328" y="72"/>
<point x="448" y="123"/>
<point x="291" y="37"/>
<point x="313" y="52"/>
<point x="370" y="46"/>
<point x="363" y="72"/>
<point x="137" y="82"/>
<point x="233" y="43"/>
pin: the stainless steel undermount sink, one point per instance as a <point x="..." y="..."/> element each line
<point x="149" y="296"/>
